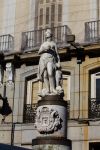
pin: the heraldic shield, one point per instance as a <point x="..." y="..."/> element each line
<point x="48" y="120"/>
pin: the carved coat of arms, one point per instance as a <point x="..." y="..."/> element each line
<point x="48" y="120"/>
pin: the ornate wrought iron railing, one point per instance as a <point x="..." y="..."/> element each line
<point x="6" y="43"/>
<point x="30" y="112"/>
<point x="94" y="108"/>
<point x="31" y="40"/>
<point x="92" y="31"/>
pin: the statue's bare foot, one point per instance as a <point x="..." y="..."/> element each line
<point x="43" y="93"/>
<point x="54" y="91"/>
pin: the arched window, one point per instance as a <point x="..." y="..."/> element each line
<point x="66" y="85"/>
<point x="31" y="95"/>
<point x="94" y="100"/>
<point x="31" y="98"/>
<point x="32" y="91"/>
<point x="95" y="86"/>
<point x="95" y="83"/>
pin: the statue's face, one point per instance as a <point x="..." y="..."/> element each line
<point x="48" y="34"/>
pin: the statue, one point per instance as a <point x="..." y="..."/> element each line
<point x="49" y="67"/>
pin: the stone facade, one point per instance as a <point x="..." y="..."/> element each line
<point x="83" y="123"/>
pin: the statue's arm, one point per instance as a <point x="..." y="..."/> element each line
<point x="41" y="50"/>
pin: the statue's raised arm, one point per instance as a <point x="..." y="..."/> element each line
<point x="49" y="64"/>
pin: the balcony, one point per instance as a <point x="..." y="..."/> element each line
<point x="6" y="43"/>
<point x="31" y="40"/>
<point x="30" y="112"/>
<point x="94" y="108"/>
<point x="92" y="31"/>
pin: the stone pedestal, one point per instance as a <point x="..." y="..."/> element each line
<point x="51" y="123"/>
<point x="51" y="143"/>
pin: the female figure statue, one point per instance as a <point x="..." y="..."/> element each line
<point x="48" y="64"/>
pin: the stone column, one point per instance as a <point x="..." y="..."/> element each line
<point x="51" y="123"/>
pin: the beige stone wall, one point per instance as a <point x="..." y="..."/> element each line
<point x="7" y="16"/>
<point x="18" y="16"/>
<point x="80" y="134"/>
<point x="21" y="21"/>
<point x="1" y="15"/>
<point x="76" y="13"/>
<point x="72" y="66"/>
<point x="24" y="20"/>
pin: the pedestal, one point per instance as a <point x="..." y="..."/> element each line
<point x="46" y="143"/>
<point x="51" y="123"/>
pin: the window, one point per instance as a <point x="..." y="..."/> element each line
<point x="47" y="1"/>
<point x="59" y="34"/>
<point x="95" y="86"/>
<point x="52" y="13"/>
<point x="47" y="15"/>
<point x="94" y="146"/>
<point x="66" y="87"/>
<point x="32" y="91"/>
<point x="94" y="100"/>
<point x="41" y="1"/>
<point x="41" y="17"/>
<point x="31" y="98"/>
<point x="59" y="12"/>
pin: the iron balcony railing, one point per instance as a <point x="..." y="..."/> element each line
<point x="30" y="112"/>
<point x="31" y="40"/>
<point x="94" y="108"/>
<point x="92" y="31"/>
<point x="6" y="43"/>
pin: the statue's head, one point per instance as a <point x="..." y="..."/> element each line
<point x="48" y="33"/>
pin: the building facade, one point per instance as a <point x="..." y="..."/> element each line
<point x="22" y="27"/>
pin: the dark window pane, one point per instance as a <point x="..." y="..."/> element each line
<point x="98" y="89"/>
<point x="47" y="15"/>
<point x="52" y="13"/>
<point x="41" y="1"/>
<point x="59" y="13"/>
<point x="47" y="1"/>
<point x="41" y="17"/>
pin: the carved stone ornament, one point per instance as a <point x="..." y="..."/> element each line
<point x="48" y="120"/>
<point x="9" y="73"/>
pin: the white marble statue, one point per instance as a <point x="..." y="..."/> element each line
<point x="49" y="66"/>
